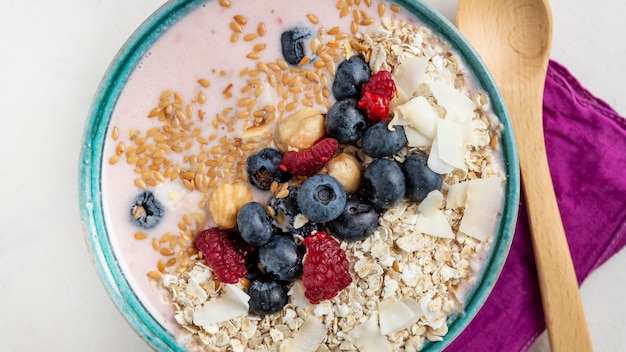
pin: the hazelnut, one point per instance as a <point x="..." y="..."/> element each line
<point x="300" y="130"/>
<point x="347" y="170"/>
<point x="225" y="202"/>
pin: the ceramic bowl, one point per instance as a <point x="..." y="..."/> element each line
<point x="107" y="259"/>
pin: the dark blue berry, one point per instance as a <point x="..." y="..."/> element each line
<point x="254" y="224"/>
<point x="383" y="183"/>
<point x="267" y="297"/>
<point x="293" y="42"/>
<point x="378" y="141"/>
<point x="420" y="179"/>
<point x="321" y="198"/>
<point x="345" y="122"/>
<point x="262" y="168"/>
<point x="252" y="264"/>
<point x="350" y="75"/>
<point x="358" y="220"/>
<point x="146" y="211"/>
<point x="281" y="258"/>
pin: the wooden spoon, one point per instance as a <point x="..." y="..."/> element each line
<point x="513" y="37"/>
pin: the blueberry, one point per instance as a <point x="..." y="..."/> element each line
<point x="146" y="211"/>
<point x="267" y="297"/>
<point x="383" y="183"/>
<point x="262" y="168"/>
<point x="252" y="265"/>
<point x="292" y="43"/>
<point x="378" y="141"/>
<point x="281" y="258"/>
<point x="321" y="198"/>
<point x="420" y="179"/>
<point x="350" y="75"/>
<point x="345" y="122"/>
<point x="254" y="224"/>
<point x="358" y="220"/>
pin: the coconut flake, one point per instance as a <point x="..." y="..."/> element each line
<point x="232" y="304"/>
<point x="296" y="295"/>
<point x="421" y="115"/>
<point x="482" y="208"/>
<point x="413" y="137"/>
<point x="367" y="338"/>
<point x="450" y="143"/>
<point x="434" y="224"/>
<point x="408" y="75"/>
<point x="435" y="162"/>
<point x="457" y="195"/>
<point x="395" y="314"/>
<point x="459" y="107"/>
<point x="309" y="336"/>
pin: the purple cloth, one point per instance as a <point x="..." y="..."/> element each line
<point x="586" y="146"/>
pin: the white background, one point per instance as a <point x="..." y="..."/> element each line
<point x="52" y="57"/>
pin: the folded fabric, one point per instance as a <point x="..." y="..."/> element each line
<point x="585" y="142"/>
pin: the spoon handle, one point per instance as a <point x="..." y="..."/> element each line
<point x="562" y="305"/>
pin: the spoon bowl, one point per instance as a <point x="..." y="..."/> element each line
<point x="513" y="37"/>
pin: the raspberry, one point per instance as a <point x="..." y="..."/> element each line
<point x="225" y="252"/>
<point x="381" y="83"/>
<point x="325" y="268"/>
<point x="309" y="161"/>
<point x="376" y="95"/>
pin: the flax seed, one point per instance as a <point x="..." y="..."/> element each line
<point x="344" y="11"/>
<point x="259" y="47"/>
<point x="396" y="8"/>
<point x="250" y="37"/>
<point x="235" y="27"/>
<point x="240" y="19"/>
<point x="225" y="3"/>
<point x="253" y="56"/>
<point x="155" y="275"/>
<point x="381" y="9"/>
<point x="312" y="18"/>
<point x="260" y="29"/>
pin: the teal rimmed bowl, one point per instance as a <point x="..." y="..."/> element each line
<point x="97" y="127"/>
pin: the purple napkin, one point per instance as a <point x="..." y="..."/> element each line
<point x="586" y="144"/>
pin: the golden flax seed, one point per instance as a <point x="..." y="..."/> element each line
<point x="340" y="4"/>
<point x="344" y="11"/>
<point x="155" y="275"/>
<point x="312" y="18"/>
<point x="260" y="29"/>
<point x="225" y="3"/>
<point x="381" y="9"/>
<point x="250" y="37"/>
<point x="240" y="19"/>
<point x="253" y="56"/>
<point x="396" y="8"/>
<point x="235" y="27"/>
<point x="259" y="47"/>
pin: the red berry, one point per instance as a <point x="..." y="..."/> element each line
<point x="376" y="95"/>
<point x="381" y="83"/>
<point x="225" y="252"/>
<point x="375" y="105"/>
<point x="326" y="270"/>
<point x="309" y="161"/>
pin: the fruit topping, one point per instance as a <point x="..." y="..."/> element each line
<point x="225" y="202"/>
<point x="300" y="130"/>
<point x="225" y="252"/>
<point x="326" y="270"/>
<point x="267" y="297"/>
<point x="358" y="220"/>
<point x="383" y="183"/>
<point x="420" y="179"/>
<point x="281" y="258"/>
<point x="262" y="168"/>
<point x="345" y="122"/>
<point x="321" y="198"/>
<point x="254" y="224"/>
<point x="292" y="43"/>
<point x="350" y="75"/>
<point x="378" y="141"/>
<point x="309" y="161"/>
<point x="146" y="211"/>
<point x="376" y="95"/>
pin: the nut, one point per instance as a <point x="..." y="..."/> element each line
<point x="225" y="202"/>
<point x="347" y="170"/>
<point x="300" y="130"/>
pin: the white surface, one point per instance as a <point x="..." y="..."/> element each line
<point x="52" y="56"/>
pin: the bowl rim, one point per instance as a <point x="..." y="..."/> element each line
<point x="91" y="158"/>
